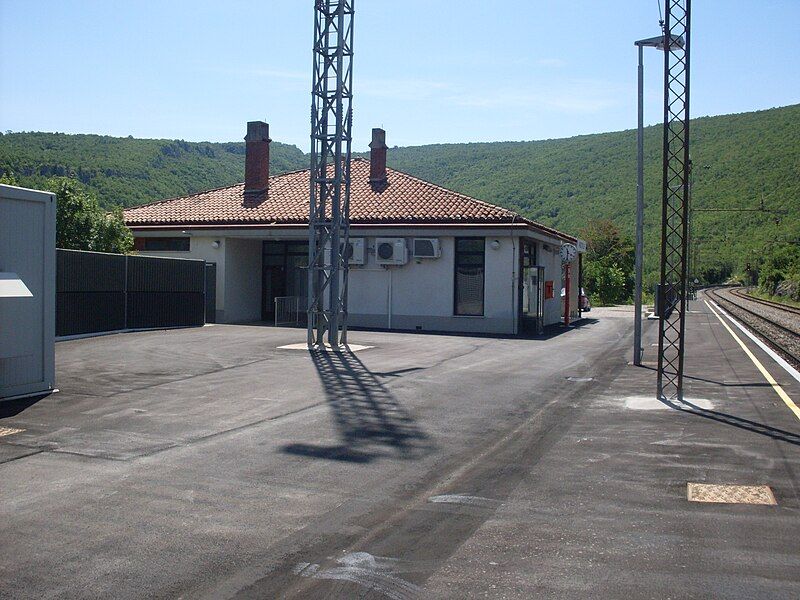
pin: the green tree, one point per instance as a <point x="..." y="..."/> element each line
<point x="781" y="263"/>
<point x="113" y="235"/>
<point x="82" y="225"/>
<point x="8" y="179"/>
<point x="604" y="242"/>
<point x="606" y="282"/>
<point x="609" y="262"/>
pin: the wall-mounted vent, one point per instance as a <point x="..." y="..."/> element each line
<point x="427" y="248"/>
<point x="391" y="251"/>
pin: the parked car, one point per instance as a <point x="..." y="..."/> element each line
<point x="586" y="306"/>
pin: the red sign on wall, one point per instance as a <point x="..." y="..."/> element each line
<point x="548" y="290"/>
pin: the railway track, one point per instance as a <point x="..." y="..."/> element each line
<point x="744" y="295"/>
<point x="776" y="324"/>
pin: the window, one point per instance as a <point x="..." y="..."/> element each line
<point x="165" y="244"/>
<point x="531" y="276"/>
<point x="470" y="263"/>
<point x="528" y="255"/>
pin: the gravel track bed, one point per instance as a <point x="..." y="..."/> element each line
<point x="787" y="317"/>
<point x="778" y="328"/>
<point x="777" y="306"/>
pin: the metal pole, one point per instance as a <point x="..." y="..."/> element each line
<point x="675" y="202"/>
<point x="329" y="206"/>
<point x="690" y="272"/>
<point x="637" y="295"/>
<point x="567" y="292"/>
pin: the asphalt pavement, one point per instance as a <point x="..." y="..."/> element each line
<point x="211" y="463"/>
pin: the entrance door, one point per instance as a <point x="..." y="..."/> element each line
<point x="531" y="291"/>
<point x="284" y="273"/>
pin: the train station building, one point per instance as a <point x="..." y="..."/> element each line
<point x="423" y="258"/>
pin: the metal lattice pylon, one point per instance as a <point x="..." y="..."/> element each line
<point x="329" y="202"/>
<point x="675" y="202"/>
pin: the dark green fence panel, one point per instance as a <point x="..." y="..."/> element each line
<point x="165" y="292"/>
<point x="98" y="292"/>
<point x="90" y="292"/>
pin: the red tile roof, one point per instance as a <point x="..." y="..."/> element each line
<point x="402" y="200"/>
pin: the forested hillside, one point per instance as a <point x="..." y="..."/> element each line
<point x="566" y="183"/>
<point x="128" y="171"/>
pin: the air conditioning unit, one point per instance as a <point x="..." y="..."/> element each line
<point x="427" y="248"/>
<point x="391" y="251"/>
<point x="355" y="252"/>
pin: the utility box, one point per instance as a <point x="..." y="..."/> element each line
<point x="665" y="301"/>
<point x="27" y="292"/>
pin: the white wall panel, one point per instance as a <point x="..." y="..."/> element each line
<point x="27" y="324"/>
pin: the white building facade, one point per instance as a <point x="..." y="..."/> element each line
<point x="478" y="268"/>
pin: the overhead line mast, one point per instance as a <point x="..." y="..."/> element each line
<point x="675" y="202"/>
<point x="329" y="200"/>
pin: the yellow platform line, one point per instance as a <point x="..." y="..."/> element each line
<point x="770" y="379"/>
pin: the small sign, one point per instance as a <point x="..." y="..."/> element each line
<point x="581" y="246"/>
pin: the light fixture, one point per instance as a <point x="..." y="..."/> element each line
<point x="495" y="244"/>
<point x="659" y="42"/>
<point x="215" y="244"/>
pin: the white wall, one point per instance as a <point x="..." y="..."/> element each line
<point x="422" y="291"/>
<point x="551" y="261"/>
<point x="27" y="318"/>
<point x="574" y="289"/>
<point x="242" y="280"/>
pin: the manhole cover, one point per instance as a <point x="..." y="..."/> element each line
<point x="730" y="494"/>
<point x="9" y="431"/>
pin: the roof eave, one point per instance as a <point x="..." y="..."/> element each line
<point x="515" y="225"/>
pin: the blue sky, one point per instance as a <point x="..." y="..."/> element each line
<point x="428" y="71"/>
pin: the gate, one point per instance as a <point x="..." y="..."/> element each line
<point x="287" y="310"/>
<point x="97" y="292"/>
<point x="90" y="292"/>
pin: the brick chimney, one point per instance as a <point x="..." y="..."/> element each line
<point x="256" y="165"/>
<point x="377" y="156"/>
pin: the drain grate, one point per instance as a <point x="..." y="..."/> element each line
<point x="9" y="431"/>
<point x="730" y="494"/>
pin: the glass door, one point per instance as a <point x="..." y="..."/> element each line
<point x="531" y="290"/>
<point x="284" y="273"/>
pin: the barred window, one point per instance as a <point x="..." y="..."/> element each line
<point x="470" y="264"/>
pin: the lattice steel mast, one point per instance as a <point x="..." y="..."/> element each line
<point x="329" y="209"/>
<point x="675" y="201"/>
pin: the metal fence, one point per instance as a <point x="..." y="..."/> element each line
<point x="98" y="292"/>
<point x="288" y="309"/>
<point x="90" y="292"/>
